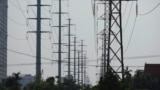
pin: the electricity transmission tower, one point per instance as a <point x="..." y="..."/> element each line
<point x="60" y="26"/>
<point x="69" y="47"/>
<point x="38" y="38"/>
<point x="103" y="33"/>
<point x="78" y="68"/>
<point x="82" y="61"/>
<point x="85" y="72"/>
<point x="74" y="58"/>
<point x="115" y="37"/>
<point x="113" y="49"/>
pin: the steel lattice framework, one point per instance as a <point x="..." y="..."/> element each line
<point x="115" y="41"/>
<point x="103" y="19"/>
<point x="112" y="40"/>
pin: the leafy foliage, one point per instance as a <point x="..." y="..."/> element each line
<point x="11" y="83"/>
<point x="109" y="82"/>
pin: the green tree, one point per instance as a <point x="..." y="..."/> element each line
<point x="11" y="83"/>
<point x="127" y="84"/>
<point x="48" y="84"/>
<point x="142" y="81"/>
<point x="110" y="81"/>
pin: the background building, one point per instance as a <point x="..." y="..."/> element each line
<point x="3" y="38"/>
<point x="26" y="79"/>
<point x="153" y="70"/>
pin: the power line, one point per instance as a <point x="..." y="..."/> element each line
<point x="131" y="35"/>
<point x="31" y="8"/>
<point x="133" y="57"/>
<point x="30" y="46"/>
<point x="15" y="37"/>
<point x="16" y="22"/>
<point x="32" y="23"/>
<point x="16" y="6"/>
<point x="50" y="63"/>
<point x="26" y="54"/>
<point x="28" y="64"/>
<point x="124" y="12"/>
<point x="29" y="55"/>
<point x="128" y="17"/>
<point x="150" y="10"/>
<point x="19" y="7"/>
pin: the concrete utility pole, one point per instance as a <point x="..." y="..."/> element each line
<point x="82" y="72"/>
<point x="38" y="50"/>
<point x="75" y="58"/>
<point x="59" y="41"/>
<point x="69" y="46"/>
<point x="38" y="39"/>
<point x="69" y="51"/>
<point x="78" y="68"/>
<point x="82" y="62"/>
<point x="59" y="46"/>
<point x="85" y="58"/>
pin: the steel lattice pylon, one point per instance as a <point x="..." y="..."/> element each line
<point x="112" y="40"/>
<point x="115" y="41"/>
<point x="103" y="19"/>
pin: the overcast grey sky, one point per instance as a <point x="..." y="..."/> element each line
<point x="144" y="42"/>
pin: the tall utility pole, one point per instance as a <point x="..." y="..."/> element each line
<point x="69" y="47"/>
<point x="38" y="48"/>
<point x="59" y="41"/>
<point x="82" y="62"/>
<point x="69" y="51"/>
<point x="38" y="39"/>
<point x="85" y="58"/>
<point x="59" y="46"/>
<point x="78" y="67"/>
<point x="75" y="57"/>
<point x="82" y="45"/>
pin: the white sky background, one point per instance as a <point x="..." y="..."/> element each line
<point x="145" y="39"/>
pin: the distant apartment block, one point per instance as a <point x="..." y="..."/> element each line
<point x="3" y="38"/>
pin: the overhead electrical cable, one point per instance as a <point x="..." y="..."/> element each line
<point x="128" y="17"/>
<point x="48" y="59"/>
<point x="130" y="36"/>
<point x="142" y="14"/>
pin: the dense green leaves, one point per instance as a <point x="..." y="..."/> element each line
<point x="110" y="81"/>
<point x="11" y="83"/>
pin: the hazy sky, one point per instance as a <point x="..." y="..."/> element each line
<point x="144" y="42"/>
